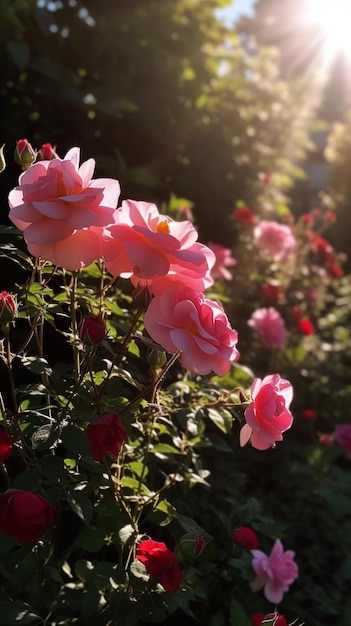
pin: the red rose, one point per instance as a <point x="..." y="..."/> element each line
<point x="244" y="215"/>
<point x="92" y="330"/>
<point x="105" y="436"/>
<point x="5" y="445"/>
<point x="160" y="562"/>
<point x="8" y="307"/>
<point x="25" y="515"/>
<point x="305" y="326"/>
<point x="271" y="291"/>
<point x="246" y="537"/>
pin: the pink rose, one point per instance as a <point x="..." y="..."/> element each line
<point x="270" y="326"/>
<point x="223" y="260"/>
<point x="268" y="415"/>
<point x="342" y="436"/>
<point x="149" y="247"/>
<point x="182" y="319"/>
<point x="61" y="209"/>
<point x="276" y="239"/>
<point x="275" y="573"/>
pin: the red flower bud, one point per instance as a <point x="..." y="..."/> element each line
<point x="105" y="436"/>
<point x="24" y="155"/>
<point x="5" y="445"/>
<point x="92" y="330"/>
<point x="246" y="537"/>
<point x="8" y="307"/>
<point x="305" y="326"/>
<point x="47" y="152"/>
<point x="309" y="414"/>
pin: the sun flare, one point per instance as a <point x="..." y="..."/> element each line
<point x="333" y="17"/>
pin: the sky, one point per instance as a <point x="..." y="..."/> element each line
<point x="238" y="8"/>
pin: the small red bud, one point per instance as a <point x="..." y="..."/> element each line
<point x="92" y="330"/>
<point x="8" y="307"/>
<point x="24" y="155"/>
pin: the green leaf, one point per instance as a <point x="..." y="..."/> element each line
<point x="80" y="505"/>
<point x="75" y="440"/>
<point x="19" y="52"/>
<point x="17" y="613"/>
<point x="222" y="418"/>
<point x="36" y="365"/>
<point x="126" y="533"/>
<point x="27" y="480"/>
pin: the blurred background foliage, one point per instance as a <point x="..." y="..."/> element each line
<point x="170" y="100"/>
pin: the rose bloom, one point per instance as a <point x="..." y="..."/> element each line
<point x="276" y="239"/>
<point x="246" y="537"/>
<point x="61" y="209"/>
<point x="145" y="246"/>
<point x="182" y="319"/>
<point x="25" y="515"/>
<point x="5" y="445"/>
<point x="342" y="436"/>
<point x="105" y="436"/>
<point x="275" y="573"/>
<point x="268" y="415"/>
<point x="244" y="215"/>
<point x="270" y="327"/>
<point x="223" y="260"/>
<point x="160" y="562"/>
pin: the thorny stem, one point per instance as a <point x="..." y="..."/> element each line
<point x="119" y="355"/>
<point x="152" y="417"/>
<point x="74" y="324"/>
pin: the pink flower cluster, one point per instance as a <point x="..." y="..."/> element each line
<point x="275" y="239"/>
<point x="71" y="219"/>
<point x="275" y="573"/>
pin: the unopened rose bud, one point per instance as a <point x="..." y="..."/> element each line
<point x="92" y="330"/>
<point x="47" y="152"/>
<point x="2" y="158"/>
<point x="8" y="307"/>
<point x="24" y="155"/>
<point x="191" y="545"/>
<point x="141" y="297"/>
<point x="157" y="359"/>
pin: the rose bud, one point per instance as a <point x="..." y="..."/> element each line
<point x="24" y="155"/>
<point x="105" y="436"/>
<point x="8" y="307"/>
<point x="92" y="330"/>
